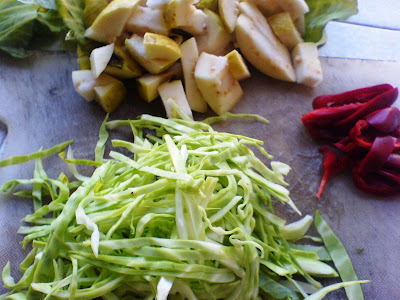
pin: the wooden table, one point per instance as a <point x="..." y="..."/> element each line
<point x="38" y="107"/>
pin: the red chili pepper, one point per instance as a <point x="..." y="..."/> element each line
<point x="348" y="146"/>
<point x="375" y="184"/>
<point x="391" y="169"/>
<point x="363" y="134"/>
<point x="360" y="95"/>
<point x="332" y="165"/>
<point x="390" y="174"/>
<point x="377" y="156"/>
<point x="383" y="100"/>
<point x="366" y="129"/>
<point x="320" y="121"/>
<point x="386" y="120"/>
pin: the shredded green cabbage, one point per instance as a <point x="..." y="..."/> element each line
<point x="181" y="211"/>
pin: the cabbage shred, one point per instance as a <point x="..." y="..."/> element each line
<point x="180" y="211"/>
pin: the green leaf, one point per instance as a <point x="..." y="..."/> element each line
<point x="16" y="27"/>
<point x="321" y="12"/>
<point x="47" y="4"/>
<point x="71" y="12"/>
<point x="19" y="24"/>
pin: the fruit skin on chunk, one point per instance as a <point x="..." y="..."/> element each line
<point x="160" y="46"/>
<point x="216" y="83"/>
<point x="307" y="65"/>
<point x="92" y="9"/>
<point x="209" y="4"/>
<point x="260" y="46"/>
<point x="237" y="65"/>
<point x="267" y="7"/>
<point x="229" y="12"/>
<point x="109" y="92"/>
<point x="84" y="83"/>
<point x="174" y="90"/>
<point x="295" y="8"/>
<point x="182" y="14"/>
<point x="136" y="48"/>
<point x="110" y="23"/>
<point x="126" y="67"/>
<point x="215" y="39"/>
<point x="146" y="19"/>
<point x="190" y="55"/>
<point x="147" y="85"/>
<point x="285" y="29"/>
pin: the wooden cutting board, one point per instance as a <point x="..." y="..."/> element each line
<point x="39" y="108"/>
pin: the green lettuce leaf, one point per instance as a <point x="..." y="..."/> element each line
<point x="47" y="4"/>
<point x="19" y="23"/>
<point x="71" y="12"/>
<point x="321" y="12"/>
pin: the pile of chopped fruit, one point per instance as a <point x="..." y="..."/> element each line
<point x="192" y="51"/>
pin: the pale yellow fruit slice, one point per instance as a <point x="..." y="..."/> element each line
<point x="190" y="55"/>
<point x="267" y="7"/>
<point x="216" y="39"/>
<point x="110" y="23"/>
<point x="124" y="67"/>
<point x="99" y="59"/>
<point x="216" y="83"/>
<point x="284" y="29"/>
<point x="307" y="65"/>
<point x="148" y="84"/>
<point x="209" y="4"/>
<point x="156" y="3"/>
<point x="229" y="12"/>
<point x="260" y="46"/>
<point x="136" y="48"/>
<point x="145" y="19"/>
<point x="84" y="83"/>
<point x="174" y="90"/>
<point x="295" y="8"/>
<point x="182" y="14"/>
<point x="300" y="24"/>
<point x="109" y="92"/>
<point x="157" y="46"/>
<point x="92" y="9"/>
<point x="237" y="65"/>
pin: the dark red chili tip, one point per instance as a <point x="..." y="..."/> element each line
<point x="332" y="165"/>
<point x="360" y="95"/>
<point x="377" y="156"/>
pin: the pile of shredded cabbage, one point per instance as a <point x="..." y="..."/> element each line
<point x="180" y="211"/>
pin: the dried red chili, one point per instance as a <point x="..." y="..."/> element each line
<point x="334" y="122"/>
<point x="380" y="101"/>
<point x="366" y="129"/>
<point x="360" y="95"/>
